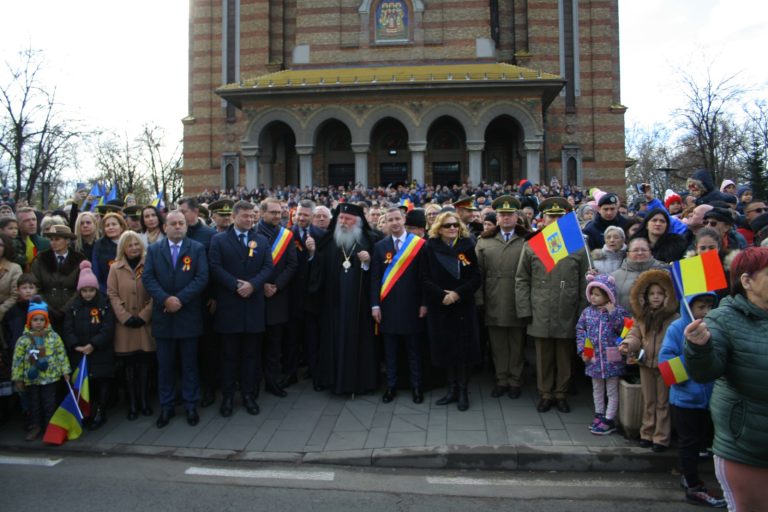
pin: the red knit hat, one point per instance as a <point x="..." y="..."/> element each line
<point x="671" y="197"/>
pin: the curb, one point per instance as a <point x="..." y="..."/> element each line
<point x="482" y="457"/>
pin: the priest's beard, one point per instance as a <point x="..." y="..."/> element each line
<point x="346" y="237"/>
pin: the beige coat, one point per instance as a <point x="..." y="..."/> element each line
<point x="129" y="298"/>
<point x="498" y="262"/>
<point x="9" y="275"/>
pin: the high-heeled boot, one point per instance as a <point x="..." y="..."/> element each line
<point x="453" y="393"/>
<point x="143" y="378"/>
<point x="130" y="391"/>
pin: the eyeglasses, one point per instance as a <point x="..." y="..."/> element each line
<point x="758" y="210"/>
<point x="450" y="225"/>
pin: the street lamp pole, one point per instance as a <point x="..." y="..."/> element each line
<point x="666" y="171"/>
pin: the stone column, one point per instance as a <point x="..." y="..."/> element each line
<point x="266" y="173"/>
<point x="475" y="149"/>
<point x="305" y="152"/>
<point x="360" y="149"/>
<point x="532" y="160"/>
<point x="251" y="155"/>
<point x="417" y="161"/>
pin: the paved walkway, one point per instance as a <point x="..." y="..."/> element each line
<point x="320" y="427"/>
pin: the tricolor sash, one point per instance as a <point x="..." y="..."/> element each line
<point x="400" y="263"/>
<point x="282" y="240"/>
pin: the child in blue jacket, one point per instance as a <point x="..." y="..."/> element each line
<point x="689" y="403"/>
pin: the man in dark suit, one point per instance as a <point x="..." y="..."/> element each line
<point x="276" y="289"/>
<point x="397" y="300"/>
<point x="241" y="264"/>
<point x="176" y="276"/>
<point x="302" y="327"/>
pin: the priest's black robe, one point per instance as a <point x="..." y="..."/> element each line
<point x="346" y="355"/>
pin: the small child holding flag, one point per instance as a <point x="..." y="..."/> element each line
<point x="89" y="327"/>
<point x="596" y="333"/>
<point x="689" y="401"/>
<point x="39" y="361"/>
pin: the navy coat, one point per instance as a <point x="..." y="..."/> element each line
<point x="162" y="280"/>
<point x="229" y="262"/>
<point x="400" y="308"/>
<point x="300" y="283"/>
<point x="278" y="306"/>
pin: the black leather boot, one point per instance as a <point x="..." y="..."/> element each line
<point x="130" y="391"/>
<point x="143" y="378"/>
<point x="99" y="419"/>
<point x="463" y="404"/>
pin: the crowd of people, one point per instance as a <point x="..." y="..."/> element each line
<point x="410" y="285"/>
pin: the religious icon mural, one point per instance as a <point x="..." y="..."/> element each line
<point x="392" y="21"/>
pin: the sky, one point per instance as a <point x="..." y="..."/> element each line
<point x="117" y="65"/>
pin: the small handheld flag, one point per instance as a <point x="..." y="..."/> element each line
<point x="699" y="274"/>
<point x="673" y="371"/>
<point x="557" y="241"/>
<point x="589" y="349"/>
<point x="82" y="387"/>
<point x="66" y="423"/>
<point x="628" y="323"/>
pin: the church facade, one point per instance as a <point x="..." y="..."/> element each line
<point x="300" y="92"/>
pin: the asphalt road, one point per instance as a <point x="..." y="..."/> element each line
<point x="29" y="482"/>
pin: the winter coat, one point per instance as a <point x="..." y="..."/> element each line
<point x="54" y="353"/>
<point x="626" y="276"/>
<point x="91" y="323"/>
<point x="602" y="328"/>
<point x="607" y="261"/>
<point x="104" y="254"/>
<point x="552" y="300"/>
<point x="57" y="286"/>
<point x="595" y="229"/>
<point x="14" y="322"/>
<point x="453" y="330"/>
<point x="688" y="394"/>
<point x="712" y="193"/>
<point x="645" y="337"/>
<point x="670" y="246"/>
<point x="735" y="358"/>
<point x="128" y="298"/>
<point x="498" y="261"/>
<point x="9" y="275"/>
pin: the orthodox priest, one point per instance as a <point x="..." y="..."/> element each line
<point x="340" y="283"/>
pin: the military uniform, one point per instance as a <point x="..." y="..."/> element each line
<point x="221" y="213"/>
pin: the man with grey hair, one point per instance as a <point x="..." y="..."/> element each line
<point x="321" y="217"/>
<point x="340" y="283"/>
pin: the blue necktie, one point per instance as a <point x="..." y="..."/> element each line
<point x="174" y="254"/>
<point x="241" y="236"/>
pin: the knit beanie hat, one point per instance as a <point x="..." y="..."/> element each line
<point x="37" y="307"/>
<point x="671" y="197"/>
<point x="726" y="183"/>
<point x="743" y="188"/>
<point x="605" y="283"/>
<point x="523" y="186"/>
<point x="87" y="277"/>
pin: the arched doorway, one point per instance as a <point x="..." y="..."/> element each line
<point x="446" y="146"/>
<point x="503" y="159"/>
<point x="334" y="154"/>
<point x="389" y="143"/>
<point x="278" y="161"/>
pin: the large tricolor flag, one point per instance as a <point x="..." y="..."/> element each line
<point x="82" y="387"/>
<point x="699" y="274"/>
<point x="673" y="371"/>
<point x="557" y="240"/>
<point x="66" y="423"/>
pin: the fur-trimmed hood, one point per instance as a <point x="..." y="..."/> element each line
<point x="643" y="282"/>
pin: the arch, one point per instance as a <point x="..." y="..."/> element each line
<point x="327" y="114"/>
<point x="447" y="110"/>
<point x="531" y="125"/>
<point x="376" y="115"/>
<point x="262" y="120"/>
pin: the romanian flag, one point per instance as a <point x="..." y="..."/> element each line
<point x="400" y="263"/>
<point x="589" y="349"/>
<point x="699" y="274"/>
<point x="280" y="244"/>
<point x="628" y="323"/>
<point x="556" y="241"/>
<point x="673" y="371"/>
<point x="82" y="387"/>
<point x="157" y="202"/>
<point x="66" y="423"/>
